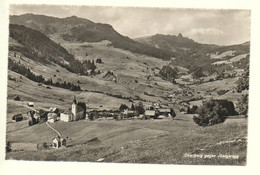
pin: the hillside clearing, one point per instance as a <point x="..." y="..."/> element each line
<point x="234" y="59"/>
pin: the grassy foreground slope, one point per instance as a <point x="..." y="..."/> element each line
<point x="155" y="141"/>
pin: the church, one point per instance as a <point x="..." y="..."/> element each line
<point x="77" y="112"/>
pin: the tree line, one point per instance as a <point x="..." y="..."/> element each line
<point x="21" y="69"/>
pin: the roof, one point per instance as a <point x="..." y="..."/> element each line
<point x="53" y="109"/>
<point x="128" y="112"/>
<point x="17" y="115"/>
<point x="52" y="115"/>
<point x="150" y="112"/>
<point x="56" y="138"/>
<point x="164" y="110"/>
<point x="67" y="111"/>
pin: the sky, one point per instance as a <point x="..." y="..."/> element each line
<point x="211" y="26"/>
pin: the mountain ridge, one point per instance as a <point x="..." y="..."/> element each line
<point x="84" y="30"/>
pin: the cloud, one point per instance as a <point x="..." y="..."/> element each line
<point x="203" y="31"/>
<point x="202" y="25"/>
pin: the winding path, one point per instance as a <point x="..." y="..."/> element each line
<point x="53" y="128"/>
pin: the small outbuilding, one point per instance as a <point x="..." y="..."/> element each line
<point x="30" y="104"/>
<point x="58" y="142"/>
<point x="17" y="118"/>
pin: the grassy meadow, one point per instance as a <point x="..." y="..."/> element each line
<point x="167" y="141"/>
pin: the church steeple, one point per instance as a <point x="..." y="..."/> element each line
<point x="75" y="100"/>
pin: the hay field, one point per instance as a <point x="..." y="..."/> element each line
<point x="153" y="141"/>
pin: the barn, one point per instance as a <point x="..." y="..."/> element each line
<point x="149" y="113"/>
<point x="17" y="118"/>
<point x="164" y="111"/>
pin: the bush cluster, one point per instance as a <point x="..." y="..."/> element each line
<point x="213" y="112"/>
<point x="243" y="105"/>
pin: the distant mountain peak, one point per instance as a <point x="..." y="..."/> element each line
<point x="180" y="35"/>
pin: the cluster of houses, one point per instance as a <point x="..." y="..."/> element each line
<point x="76" y="112"/>
<point x="154" y="111"/>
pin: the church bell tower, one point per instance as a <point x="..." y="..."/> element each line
<point x="74" y="108"/>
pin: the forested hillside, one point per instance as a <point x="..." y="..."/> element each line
<point x="39" y="47"/>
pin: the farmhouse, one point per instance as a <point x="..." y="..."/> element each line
<point x="52" y="117"/>
<point x="149" y="113"/>
<point x="57" y="142"/>
<point x="32" y="119"/>
<point x="128" y="113"/>
<point x="54" y="110"/>
<point x="156" y="105"/>
<point x="164" y="111"/>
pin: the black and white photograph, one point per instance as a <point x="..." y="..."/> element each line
<point x="135" y="85"/>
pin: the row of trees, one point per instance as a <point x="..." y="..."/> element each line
<point x="21" y="69"/>
<point x="64" y="85"/>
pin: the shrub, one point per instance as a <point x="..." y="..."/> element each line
<point x="198" y="73"/>
<point x="140" y="108"/>
<point x="8" y="147"/>
<point x="222" y="92"/>
<point x="243" y="82"/>
<point x="213" y="112"/>
<point x="99" y="60"/>
<point x="243" y="105"/>
<point x="192" y="110"/>
<point x="91" y="116"/>
<point x="123" y="107"/>
<point x="173" y="114"/>
<point x="168" y="73"/>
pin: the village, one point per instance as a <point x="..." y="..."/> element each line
<point x="80" y="111"/>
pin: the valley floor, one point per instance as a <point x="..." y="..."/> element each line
<point x="165" y="141"/>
